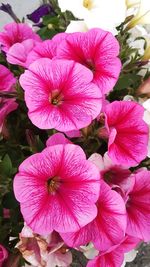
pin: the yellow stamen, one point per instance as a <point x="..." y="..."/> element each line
<point x="53" y="184"/>
<point x="55" y="98"/>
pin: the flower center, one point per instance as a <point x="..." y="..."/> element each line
<point x="55" y="101"/>
<point x="90" y="65"/>
<point x="53" y="185"/>
<point x="88" y="4"/>
<point x="108" y="176"/>
<point x="128" y="201"/>
<point x="55" y="97"/>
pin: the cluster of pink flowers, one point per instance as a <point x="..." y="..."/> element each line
<point x="60" y="191"/>
<point x="85" y="201"/>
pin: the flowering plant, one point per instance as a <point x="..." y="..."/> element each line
<point x="74" y="134"/>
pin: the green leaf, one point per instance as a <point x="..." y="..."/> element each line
<point x="46" y="33"/>
<point x="126" y="81"/>
<point x="2" y="59"/>
<point x="50" y="20"/>
<point x="9" y="201"/>
<point x="6" y="166"/>
<point x="40" y="145"/>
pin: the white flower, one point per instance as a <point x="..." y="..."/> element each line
<point x="143" y="71"/>
<point x="26" y="231"/>
<point x="146" y="105"/>
<point x="138" y="31"/>
<point x="77" y="7"/>
<point x="128" y="98"/>
<point x="89" y="251"/>
<point x="43" y="251"/>
<point x="142" y="16"/>
<point x="104" y="14"/>
<point x="77" y="26"/>
<point x="129" y="257"/>
<point x="108" y="15"/>
<point x="135" y="42"/>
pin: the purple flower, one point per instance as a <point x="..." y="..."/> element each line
<point x="8" y="9"/>
<point x="40" y="12"/>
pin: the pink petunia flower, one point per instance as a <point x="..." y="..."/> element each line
<point x="127" y="132"/>
<point x="57" y="139"/>
<point x="115" y="256"/>
<point x="57" y="189"/>
<point x="46" y="49"/>
<point x="46" y="251"/>
<point x="118" y="177"/>
<point x="73" y="134"/>
<point x="7" y="79"/>
<point x="16" y="33"/>
<point x="138" y="206"/>
<point x="18" y="53"/>
<point x="146" y="105"/>
<point x="3" y="255"/>
<point x="98" y="51"/>
<point x="59" y="94"/>
<point x="6" y="106"/>
<point x="108" y="228"/>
